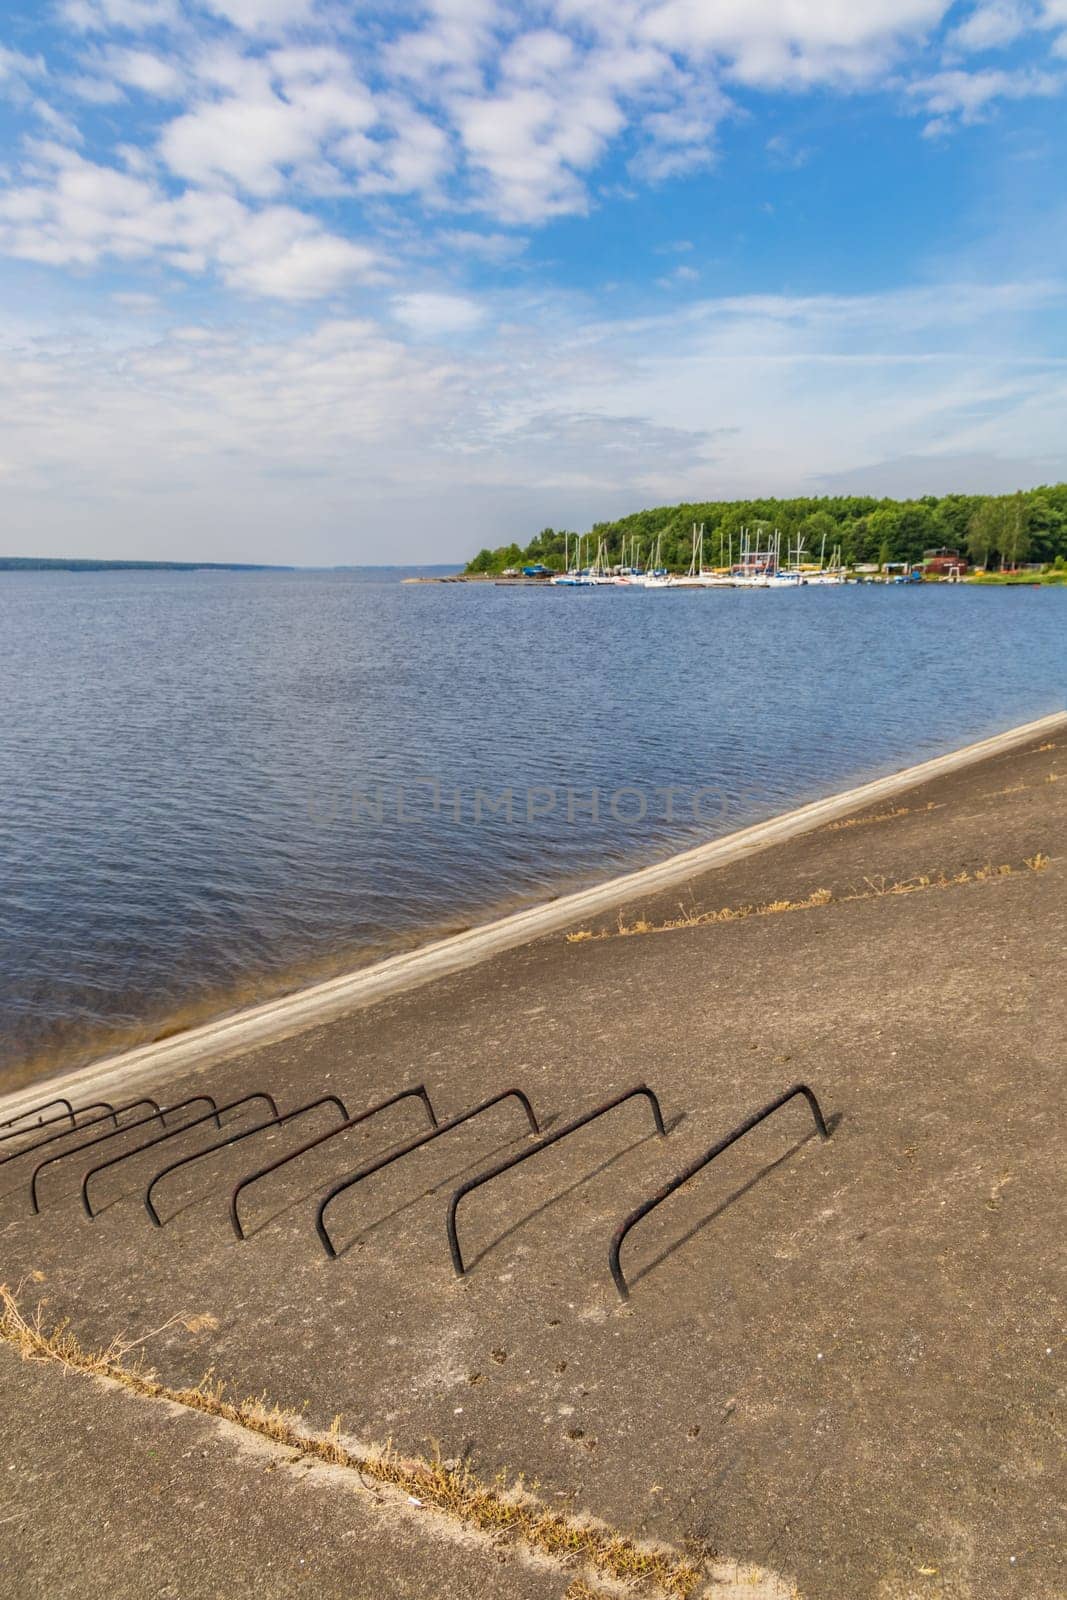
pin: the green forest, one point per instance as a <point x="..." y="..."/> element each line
<point x="991" y="531"/>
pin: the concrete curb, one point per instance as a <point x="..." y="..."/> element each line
<point x="203" y="1046"/>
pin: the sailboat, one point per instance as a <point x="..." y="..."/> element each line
<point x="692" y="579"/>
<point x="657" y="577"/>
<point x="598" y="572"/>
<point x="628" y="575"/>
<point x="754" y="565"/>
<point x="574" y="577"/>
<point x="834" y="573"/>
<point x="709" y="578"/>
<point x="791" y="576"/>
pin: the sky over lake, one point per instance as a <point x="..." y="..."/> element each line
<point x="301" y="281"/>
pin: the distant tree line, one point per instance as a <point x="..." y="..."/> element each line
<point x="991" y="530"/>
<point x="91" y="564"/>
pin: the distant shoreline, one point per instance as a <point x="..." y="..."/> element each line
<point x="89" y="564"/>
<point x="92" y="564"/>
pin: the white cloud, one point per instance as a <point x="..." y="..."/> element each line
<point x="277" y="253"/>
<point x="480" y="109"/>
<point x="494" y="247"/>
<point x="408" y="153"/>
<point x="432" y="316"/>
<point x="269" y="16"/>
<point x="145" y="71"/>
<point x="785" y="154"/>
<point x="445" y="53"/>
<point x="528" y="144"/>
<point x="993" y="23"/>
<point x="551" y="419"/>
<point x="968" y="96"/>
<point x="16" y="68"/>
<point x="134" y="16"/>
<point x="266" y="119"/>
<point x="792" y="43"/>
<point x="76" y="213"/>
<point x="681" y="275"/>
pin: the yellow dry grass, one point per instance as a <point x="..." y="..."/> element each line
<point x="874" y="888"/>
<point x="500" y="1511"/>
<point x="881" y="816"/>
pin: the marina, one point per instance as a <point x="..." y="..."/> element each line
<point x="759" y="564"/>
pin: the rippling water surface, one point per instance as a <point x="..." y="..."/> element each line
<point x="216" y="786"/>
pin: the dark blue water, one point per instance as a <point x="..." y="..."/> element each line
<point x="216" y="787"/>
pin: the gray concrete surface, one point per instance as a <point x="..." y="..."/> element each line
<point x="175" y="1506"/>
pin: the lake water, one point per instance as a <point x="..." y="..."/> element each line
<point x="216" y="787"/>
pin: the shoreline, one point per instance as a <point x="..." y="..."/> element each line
<point x="290" y="1014"/>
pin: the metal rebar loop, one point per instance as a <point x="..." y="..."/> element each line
<point x="640" y="1089"/>
<point x="105" y="1106"/>
<point x="697" y="1166"/>
<point x="235" y="1138"/>
<point x="416" y="1144"/>
<point x="186" y="1127"/>
<point x="418" y="1093"/>
<point x="35" y="1111"/>
<point x="157" y="1115"/>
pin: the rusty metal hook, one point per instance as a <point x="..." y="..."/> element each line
<point x="418" y="1093"/>
<point x="640" y="1089"/>
<point x="697" y="1166"/>
<point x="415" y="1144"/>
<point x="158" y="1115"/>
<point x="212" y="1116"/>
<point x="224" y="1144"/>
<point x="108" y="1109"/>
<point x="35" y="1111"/>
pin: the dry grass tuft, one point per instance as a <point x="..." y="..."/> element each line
<point x="702" y="919"/>
<point x="881" y="816"/>
<point x="500" y="1511"/>
<point x="875" y="888"/>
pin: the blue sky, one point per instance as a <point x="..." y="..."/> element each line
<point x="300" y="280"/>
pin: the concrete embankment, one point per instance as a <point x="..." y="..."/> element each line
<point x="839" y="1365"/>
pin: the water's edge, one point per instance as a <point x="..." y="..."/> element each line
<point x="202" y="1046"/>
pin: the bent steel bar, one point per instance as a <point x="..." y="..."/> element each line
<point x="416" y="1144"/>
<point x="35" y="1111"/>
<point x="418" y="1093"/>
<point x="158" y="1115"/>
<point x="640" y="1089"/>
<point x="224" y="1144"/>
<point x="112" y="1114"/>
<point x="211" y="1116"/>
<point x="96" y="1105"/>
<point x="683" y="1177"/>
